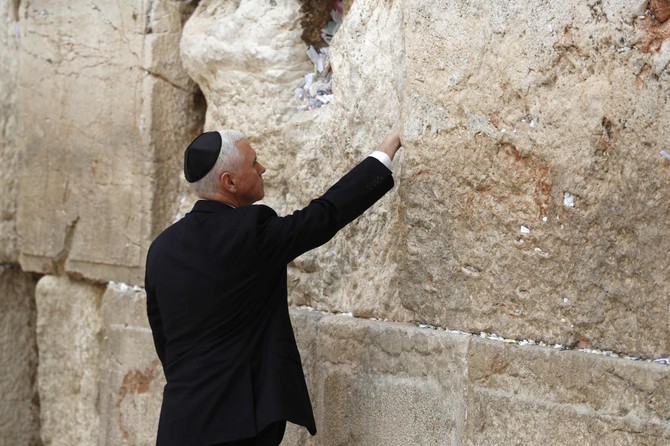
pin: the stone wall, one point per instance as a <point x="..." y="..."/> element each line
<point x="531" y="203"/>
<point x="19" y="399"/>
<point x="9" y="153"/>
<point x="532" y="195"/>
<point x="103" y="106"/>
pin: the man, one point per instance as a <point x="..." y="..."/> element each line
<point x="217" y="296"/>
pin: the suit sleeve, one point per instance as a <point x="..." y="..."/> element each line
<point x="285" y="238"/>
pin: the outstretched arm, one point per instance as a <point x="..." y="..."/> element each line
<point x="288" y="237"/>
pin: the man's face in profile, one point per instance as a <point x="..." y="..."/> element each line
<point x="248" y="177"/>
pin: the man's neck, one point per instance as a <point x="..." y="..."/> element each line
<point x="221" y="198"/>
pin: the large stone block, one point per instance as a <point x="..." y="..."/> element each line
<point x="104" y="112"/>
<point x="537" y="395"/>
<point x="9" y="155"/>
<point x="131" y="376"/>
<point x="380" y="383"/>
<point x="390" y="384"/>
<point x="534" y="197"/>
<point x="19" y="403"/>
<point x="69" y="336"/>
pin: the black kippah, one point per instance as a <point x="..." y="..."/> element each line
<point x="200" y="156"/>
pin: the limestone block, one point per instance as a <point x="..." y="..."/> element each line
<point x="255" y="50"/>
<point x="19" y="407"/>
<point x="131" y="377"/>
<point x="535" y="204"/>
<point x="105" y="131"/>
<point x="537" y="395"/>
<point x="504" y="420"/>
<point x="382" y="383"/>
<point x="8" y="151"/>
<point x="69" y="328"/>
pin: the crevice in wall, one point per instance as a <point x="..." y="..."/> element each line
<point x="187" y="11"/>
<point x="167" y="175"/>
<point x="512" y="342"/>
<point x="199" y="105"/>
<point x="20" y="356"/>
<point x="320" y="21"/>
<point x="62" y="256"/>
<point x="169" y="148"/>
<point x="16" y="5"/>
<point x="315" y="17"/>
<point x="164" y="79"/>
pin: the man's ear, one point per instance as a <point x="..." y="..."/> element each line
<point x="227" y="182"/>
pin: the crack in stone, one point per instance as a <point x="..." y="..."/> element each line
<point x="165" y="79"/>
<point x="64" y="253"/>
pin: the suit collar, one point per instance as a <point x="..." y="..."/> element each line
<point x="210" y="206"/>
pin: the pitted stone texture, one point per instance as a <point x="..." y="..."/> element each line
<point x="255" y="48"/>
<point x="19" y="403"/>
<point x="131" y="376"/>
<point x="9" y="155"/>
<point x="102" y="139"/>
<point x="357" y="271"/>
<point x="541" y="396"/>
<point x="530" y="200"/>
<point x="519" y="117"/>
<point x="69" y="328"/>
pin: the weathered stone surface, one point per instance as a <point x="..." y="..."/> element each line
<point x="131" y="377"/>
<point x="542" y="396"/>
<point x="306" y="329"/>
<point x="387" y="383"/>
<point x="543" y="216"/>
<point x="19" y="403"/>
<point x="9" y="155"/>
<point x="531" y="201"/>
<point x="69" y="328"/>
<point x="374" y="382"/>
<point x="660" y="9"/>
<point x="530" y="198"/>
<point x="104" y="111"/>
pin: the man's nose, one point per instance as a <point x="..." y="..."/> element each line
<point x="261" y="169"/>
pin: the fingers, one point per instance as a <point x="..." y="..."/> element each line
<point x="391" y="144"/>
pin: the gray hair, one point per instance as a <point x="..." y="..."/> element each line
<point x="229" y="160"/>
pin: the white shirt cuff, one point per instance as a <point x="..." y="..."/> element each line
<point x="383" y="158"/>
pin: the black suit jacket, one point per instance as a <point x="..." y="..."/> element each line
<point x="217" y="306"/>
